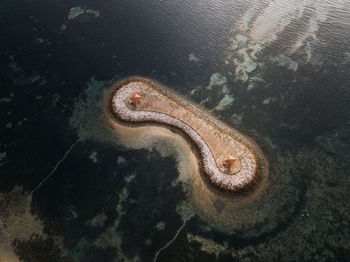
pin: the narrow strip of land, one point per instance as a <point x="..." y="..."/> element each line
<point x="230" y="161"/>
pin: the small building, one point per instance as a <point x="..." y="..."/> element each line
<point x="229" y="161"/>
<point x="135" y="99"/>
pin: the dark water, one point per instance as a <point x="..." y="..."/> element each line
<point x="279" y="71"/>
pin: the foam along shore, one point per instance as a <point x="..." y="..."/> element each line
<point x="212" y="141"/>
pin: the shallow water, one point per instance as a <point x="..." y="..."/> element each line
<point x="71" y="190"/>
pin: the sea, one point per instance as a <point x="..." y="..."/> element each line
<point x="276" y="70"/>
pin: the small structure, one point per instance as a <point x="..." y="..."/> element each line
<point x="229" y="161"/>
<point x="135" y="99"/>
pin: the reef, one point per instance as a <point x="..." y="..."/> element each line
<point x="230" y="163"/>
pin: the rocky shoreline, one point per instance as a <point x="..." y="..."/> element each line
<point x="254" y="167"/>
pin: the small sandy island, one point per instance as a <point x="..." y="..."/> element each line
<point x="230" y="163"/>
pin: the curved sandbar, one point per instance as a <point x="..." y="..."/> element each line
<point x="138" y="100"/>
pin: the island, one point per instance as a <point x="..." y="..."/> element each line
<point x="230" y="163"/>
